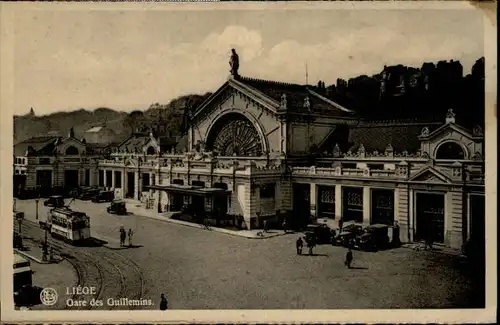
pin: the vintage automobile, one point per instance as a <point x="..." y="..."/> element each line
<point x="323" y="233"/>
<point x="348" y="234"/>
<point x="88" y="193"/>
<point x="373" y="238"/>
<point x="54" y="201"/>
<point x="103" y="196"/>
<point x="117" y="207"/>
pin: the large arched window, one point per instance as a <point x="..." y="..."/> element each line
<point x="151" y="151"/>
<point x="450" y="150"/>
<point x="234" y="135"/>
<point x="72" y="150"/>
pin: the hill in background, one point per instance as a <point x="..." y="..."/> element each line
<point x="170" y="115"/>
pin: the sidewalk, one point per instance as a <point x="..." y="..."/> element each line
<point x="132" y="207"/>
<point x="435" y="249"/>
<point x="34" y="252"/>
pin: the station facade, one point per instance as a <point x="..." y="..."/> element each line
<point x="260" y="150"/>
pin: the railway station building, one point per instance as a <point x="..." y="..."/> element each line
<point x="260" y="150"/>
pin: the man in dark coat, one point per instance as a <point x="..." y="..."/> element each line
<point x="348" y="258"/>
<point x="299" y="244"/>
<point x="163" y="302"/>
<point x="311" y="243"/>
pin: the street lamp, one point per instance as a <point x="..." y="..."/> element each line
<point x="36" y="207"/>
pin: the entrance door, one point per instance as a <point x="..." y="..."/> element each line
<point x="130" y="184"/>
<point x="44" y="181"/>
<point x="301" y="205"/>
<point x="326" y="201"/>
<point x="352" y="207"/>
<point x="383" y="207"/>
<point x="430" y="217"/>
<point x="19" y="184"/>
<point x="71" y="178"/>
<point x="220" y="202"/>
<point x="177" y="199"/>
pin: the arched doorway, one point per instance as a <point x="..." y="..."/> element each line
<point x="234" y="135"/>
<point x="151" y="151"/>
<point x="450" y="150"/>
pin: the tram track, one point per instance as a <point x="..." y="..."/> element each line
<point x="112" y="274"/>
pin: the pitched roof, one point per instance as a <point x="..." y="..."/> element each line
<point x="401" y="136"/>
<point x="134" y="144"/>
<point x="37" y="143"/>
<point x="295" y="94"/>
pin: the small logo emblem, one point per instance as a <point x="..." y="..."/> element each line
<point x="48" y="296"/>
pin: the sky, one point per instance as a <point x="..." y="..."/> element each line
<point x="126" y="60"/>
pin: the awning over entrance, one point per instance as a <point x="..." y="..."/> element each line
<point x="190" y="190"/>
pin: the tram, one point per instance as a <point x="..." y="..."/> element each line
<point x="68" y="225"/>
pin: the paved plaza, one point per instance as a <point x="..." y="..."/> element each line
<point x="202" y="269"/>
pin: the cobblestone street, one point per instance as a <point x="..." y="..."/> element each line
<point x="200" y="269"/>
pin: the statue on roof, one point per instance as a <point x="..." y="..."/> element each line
<point x="234" y="63"/>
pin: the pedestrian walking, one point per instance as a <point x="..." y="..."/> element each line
<point x="163" y="302"/>
<point x="348" y="258"/>
<point x="299" y="245"/>
<point x="285" y="226"/>
<point x="341" y="223"/>
<point x="310" y="245"/>
<point x="123" y="235"/>
<point x="265" y="225"/>
<point x="130" y="234"/>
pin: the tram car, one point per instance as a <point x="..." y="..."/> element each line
<point x="68" y="225"/>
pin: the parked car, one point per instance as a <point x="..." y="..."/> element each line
<point x="88" y="194"/>
<point x="348" y="234"/>
<point x="54" y="201"/>
<point x="103" y="196"/>
<point x="323" y="233"/>
<point x="373" y="238"/>
<point x="117" y="207"/>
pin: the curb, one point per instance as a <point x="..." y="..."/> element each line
<point x="220" y="230"/>
<point x="39" y="261"/>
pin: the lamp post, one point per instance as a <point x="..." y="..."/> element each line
<point x="36" y="207"/>
<point x="45" y="244"/>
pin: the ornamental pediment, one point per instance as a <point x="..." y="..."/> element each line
<point x="430" y="175"/>
<point x="129" y="162"/>
<point x="232" y="92"/>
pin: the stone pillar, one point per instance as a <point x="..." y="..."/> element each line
<point x="401" y="211"/>
<point x="136" y="186"/>
<point x="254" y="205"/>
<point x="105" y="178"/>
<point x="313" y="199"/>
<point x="453" y="214"/>
<point x="124" y="183"/>
<point x="367" y="205"/>
<point x="113" y="179"/>
<point x="338" y="203"/>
